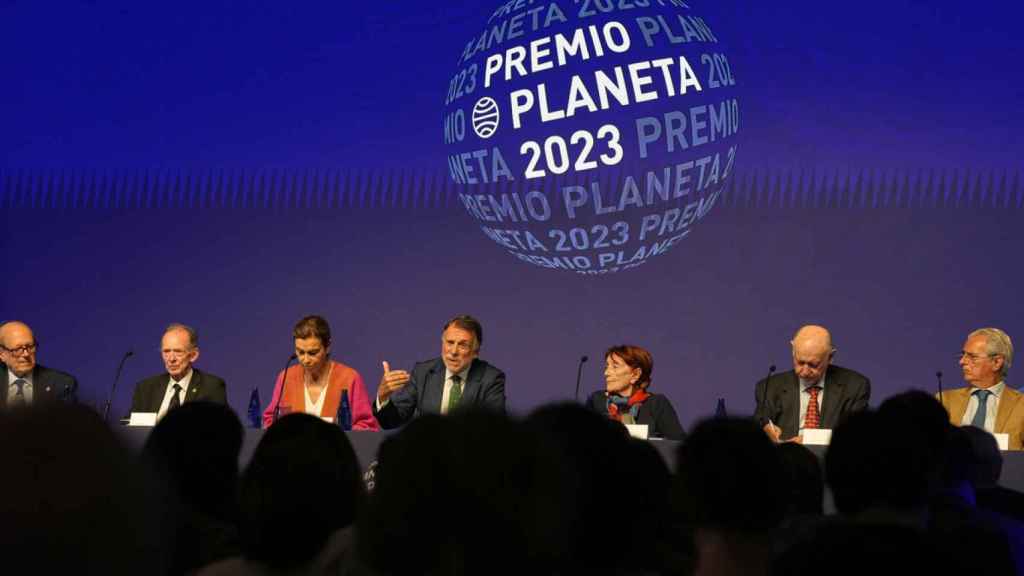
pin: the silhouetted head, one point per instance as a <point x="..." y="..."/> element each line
<point x="804" y="477"/>
<point x="74" y="500"/>
<point x="729" y="477"/>
<point x="891" y="459"/>
<point x="452" y="495"/>
<point x="195" y="447"/>
<point x="302" y="484"/>
<point x="987" y="459"/>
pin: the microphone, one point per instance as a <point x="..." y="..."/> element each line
<point x="764" y="393"/>
<point x="579" y="374"/>
<point x="117" y="376"/>
<point x="284" y="380"/>
<point x="938" y="378"/>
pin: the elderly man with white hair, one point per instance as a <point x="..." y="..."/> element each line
<point x="988" y="402"/>
<point x="814" y="394"/>
<point x="24" y="382"/>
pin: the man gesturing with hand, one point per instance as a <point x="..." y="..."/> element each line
<point x="457" y="379"/>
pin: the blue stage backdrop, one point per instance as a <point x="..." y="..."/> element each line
<point x="235" y="167"/>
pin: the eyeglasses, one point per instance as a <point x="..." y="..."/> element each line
<point x="21" y="350"/>
<point x="175" y="353"/>
<point x="973" y="358"/>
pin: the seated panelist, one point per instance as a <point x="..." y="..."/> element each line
<point x="988" y="402"/>
<point x="627" y="376"/>
<point x="24" y="382"/>
<point x="458" y="378"/>
<point x="316" y="387"/>
<point x="814" y="394"/>
<point x="182" y="382"/>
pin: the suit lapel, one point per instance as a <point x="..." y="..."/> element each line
<point x="157" y="392"/>
<point x="790" y="397"/>
<point x="1010" y="400"/>
<point x="955" y="402"/>
<point x="193" y="385"/>
<point x="3" y="389"/>
<point x="472" y="388"/>
<point x="433" y="389"/>
<point x="833" y="398"/>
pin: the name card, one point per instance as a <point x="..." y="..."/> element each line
<point x="142" y="419"/>
<point x="637" y="430"/>
<point x="1003" y="440"/>
<point x="817" y="436"/>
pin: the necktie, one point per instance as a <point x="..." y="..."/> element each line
<point x="812" y="419"/>
<point x="979" y="416"/>
<point x="19" y="396"/>
<point x="455" y="394"/>
<point x="175" y="400"/>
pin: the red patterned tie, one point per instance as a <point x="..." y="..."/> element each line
<point x="812" y="419"/>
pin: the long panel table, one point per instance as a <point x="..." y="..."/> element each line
<point x="367" y="443"/>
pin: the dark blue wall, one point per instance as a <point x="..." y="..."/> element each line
<point x="135" y="139"/>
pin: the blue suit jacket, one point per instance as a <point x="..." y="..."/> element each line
<point x="484" y="388"/>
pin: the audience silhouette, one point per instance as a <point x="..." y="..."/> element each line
<point x="561" y="491"/>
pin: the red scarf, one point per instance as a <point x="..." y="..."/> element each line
<point x="638" y="397"/>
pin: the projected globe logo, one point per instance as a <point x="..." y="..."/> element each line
<point x="485" y="117"/>
<point x="590" y="136"/>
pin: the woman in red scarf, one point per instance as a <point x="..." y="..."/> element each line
<point x="627" y="375"/>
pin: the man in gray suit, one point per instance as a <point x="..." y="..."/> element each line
<point x="455" y="380"/>
<point x="24" y="382"/>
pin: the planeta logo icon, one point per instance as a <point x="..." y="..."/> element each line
<point x="485" y="117"/>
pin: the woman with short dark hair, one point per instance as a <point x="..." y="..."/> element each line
<point x="627" y="376"/>
<point x="317" y="386"/>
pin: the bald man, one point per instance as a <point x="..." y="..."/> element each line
<point x="814" y="394"/>
<point x="24" y="382"/>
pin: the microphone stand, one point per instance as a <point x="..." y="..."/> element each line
<point x="579" y="374"/>
<point x="284" y="379"/>
<point x="117" y="376"/>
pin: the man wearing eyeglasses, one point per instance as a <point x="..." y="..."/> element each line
<point x="815" y="394"/>
<point x="24" y="382"/>
<point x="182" y="382"/>
<point x="988" y="402"/>
<point x="455" y="380"/>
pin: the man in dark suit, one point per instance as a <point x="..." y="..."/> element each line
<point x="182" y="383"/>
<point x="815" y="394"/>
<point x="24" y="382"/>
<point x="457" y="379"/>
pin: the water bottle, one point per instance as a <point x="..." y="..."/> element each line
<point x="344" y="416"/>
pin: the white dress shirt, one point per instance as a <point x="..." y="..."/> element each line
<point x="184" y="382"/>
<point x="12" y="390"/>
